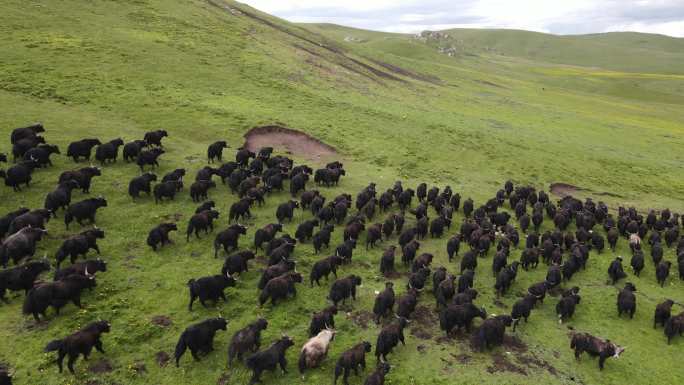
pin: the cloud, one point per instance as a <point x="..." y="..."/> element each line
<point x="559" y="17"/>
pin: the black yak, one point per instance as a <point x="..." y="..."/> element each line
<point x="85" y="209"/>
<point x="199" y="338"/>
<point x="584" y="342"/>
<point x="247" y="339"/>
<point x="350" y="360"/>
<point x="81" y="342"/>
<point x="269" y="358"/>
<point x="209" y="288"/>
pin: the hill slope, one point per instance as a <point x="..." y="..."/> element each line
<point x="395" y="109"/>
<point x="618" y="51"/>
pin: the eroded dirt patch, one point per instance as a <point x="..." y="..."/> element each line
<point x="424" y="316"/>
<point x="531" y="361"/>
<point x="563" y="189"/>
<point x="139" y="368"/>
<point x="361" y="318"/>
<point x="421" y="333"/>
<point x="162" y="358"/>
<point x="162" y="320"/>
<point x="292" y="141"/>
<point x="422" y="320"/>
<point x="462" y="358"/>
<point x="514" y="343"/>
<point x="501" y="363"/>
<point x="101" y="366"/>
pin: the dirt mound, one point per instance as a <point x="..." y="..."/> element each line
<point x="162" y="358"/>
<point x="361" y="318"/>
<point x="292" y="141"/>
<point x="101" y="366"/>
<point x="139" y="368"/>
<point x="514" y="343"/>
<point x="532" y="361"/>
<point x="501" y="363"/>
<point x="424" y="316"/>
<point x="162" y="320"/>
<point x="421" y="334"/>
<point x="563" y="189"/>
<point x="462" y="358"/>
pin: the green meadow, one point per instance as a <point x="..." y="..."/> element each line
<point x="599" y="112"/>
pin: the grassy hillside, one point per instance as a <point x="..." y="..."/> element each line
<point x="395" y="109"/>
<point x="620" y="51"/>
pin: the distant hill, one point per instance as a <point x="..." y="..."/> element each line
<point x="620" y="51"/>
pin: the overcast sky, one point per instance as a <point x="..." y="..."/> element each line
<point x="552" y="16"/>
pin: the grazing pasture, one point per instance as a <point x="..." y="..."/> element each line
<point x="390" y="108"/>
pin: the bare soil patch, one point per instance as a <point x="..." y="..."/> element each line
<point x="162" y="320"/>
<point x="563" y="189"/>
<point x="162" y="358"/>
<point x="420" y="333"/>
<point x="101" y="366"/>
<point x="462" y="358"/>
<point x="361" y="318"/>
<point x="515" y="344"/>
<point x="292" y="141"/>
<point x="139" y="368"/>
<point x="531" y="361"/>
<point x="424" y="316"/>
<point x="407" y="73"/>
<point x="501" y="363"/>
<point x="422" y="320"/>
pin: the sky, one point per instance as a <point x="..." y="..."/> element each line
<point x="551" y="16"/>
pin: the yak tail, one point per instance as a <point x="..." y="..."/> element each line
<point x="181" y="346"/>
<point x="302" y="362"/>
<point x="443" y="320"/>
<point x="60" y="255"/>
<point x="29" y="303"/>
<point x="4" y="257"/>
<point x="68" y="217"/>
<point x="190" y="229"/>
<point x="191" y="284"/>
<point x="263" y="297"/>
<point x="217" y="246"/>
<point x="262" y="282"/>
<point x="670" y="329"/>
<point x="54" y="346"/>
<point x="480" y="340"/>
<point x="573" y="342"/>
<point x="338" y="372"/>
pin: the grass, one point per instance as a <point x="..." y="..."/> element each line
<point x="209" y="70"/>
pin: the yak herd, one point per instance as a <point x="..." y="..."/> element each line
<point x="254" y="177"/>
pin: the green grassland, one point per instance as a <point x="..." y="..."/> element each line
<point x="600" y="112"/>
